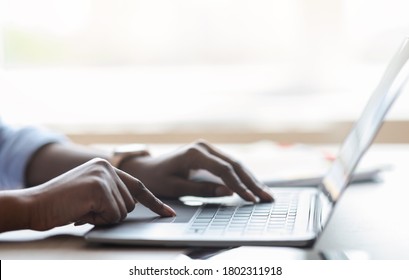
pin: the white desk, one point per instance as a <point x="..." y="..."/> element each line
<point x="374" y="217"/>
<point x="370" y="217"/>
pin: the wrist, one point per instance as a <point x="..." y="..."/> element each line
<point x="122" y="155"/>
<point x="15" y="209"/>
<point x="135" y="166"/>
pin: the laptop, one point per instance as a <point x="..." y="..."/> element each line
<point x="296" y="218"/>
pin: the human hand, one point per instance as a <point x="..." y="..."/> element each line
<point x="94" y="192"/>
<point x="168" y="175"/>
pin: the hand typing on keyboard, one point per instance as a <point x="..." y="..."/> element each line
<point x="168" y="175"/>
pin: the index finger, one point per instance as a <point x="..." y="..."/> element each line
<point x="141" y="194"/>
<point x="202" y="159"/>
<point x="247" y="178"/>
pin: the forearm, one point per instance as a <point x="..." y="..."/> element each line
<point x="54" y="159"/>
<point x="14" y="210"/>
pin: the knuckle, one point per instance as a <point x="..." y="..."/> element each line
<point x="101" y="162"/>
<point x="140" y="188"/>
<point x="141" y="191"/>
<point x="201" y="142"/>
<point x="236" y="164"/>
<point x="193" y="151"/>
<point x="139" y="183"/>
<point x="98" y="183"/>
<point x="100" y="167"/>
<point x="225" y="169"/>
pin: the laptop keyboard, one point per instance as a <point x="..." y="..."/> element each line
<point x="277" y="217"/>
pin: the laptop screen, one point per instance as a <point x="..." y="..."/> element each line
<point x="365" y="129"/>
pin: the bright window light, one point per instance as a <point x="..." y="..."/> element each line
<point x="107" y="64"/>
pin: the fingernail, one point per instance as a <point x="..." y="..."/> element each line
<point x="169" y="211"/>
<point x="251" y="196"/>
<point x="268" y="195"/>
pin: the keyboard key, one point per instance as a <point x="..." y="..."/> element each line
<point x="278" y="217"/>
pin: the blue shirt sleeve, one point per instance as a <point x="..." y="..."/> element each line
<point x="17" y="146"/>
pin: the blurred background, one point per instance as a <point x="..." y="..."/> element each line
<point x="177" y="70"/>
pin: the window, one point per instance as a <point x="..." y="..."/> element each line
<point x="152" y="65"/>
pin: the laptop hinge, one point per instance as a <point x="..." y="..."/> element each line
<point x="316" y="207"/>
<point x="323" y="211"/>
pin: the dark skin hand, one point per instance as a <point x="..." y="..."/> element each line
<point x="94" y="192"/>
<point x="76" y="184"/>
<point x="168" y="175"/>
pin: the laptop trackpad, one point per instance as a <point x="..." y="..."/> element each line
<point x="183" y="213"/>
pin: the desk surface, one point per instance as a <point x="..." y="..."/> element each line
<point x="370" y="217"/>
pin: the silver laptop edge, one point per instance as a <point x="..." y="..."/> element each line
<point x="364" y="131"/>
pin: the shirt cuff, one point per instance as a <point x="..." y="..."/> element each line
<point x="17" y="152"/>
